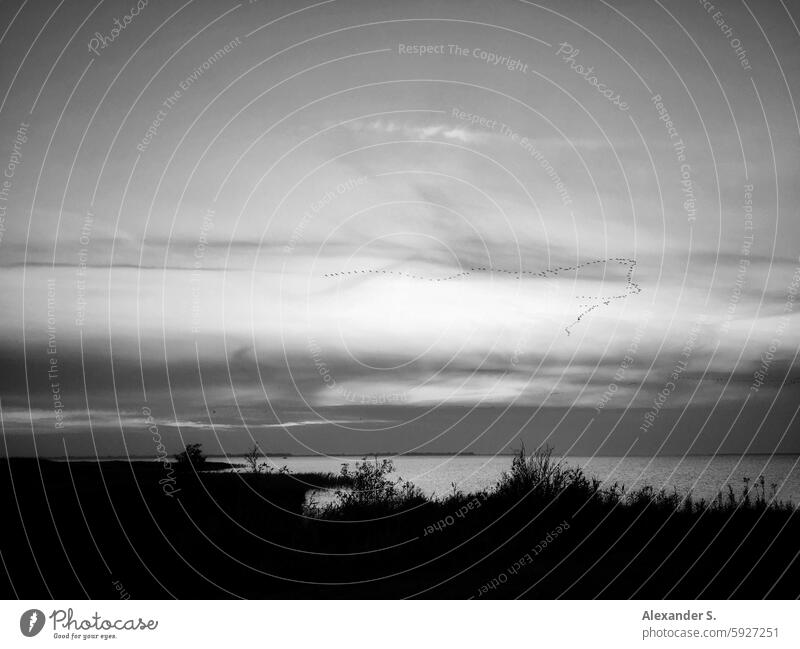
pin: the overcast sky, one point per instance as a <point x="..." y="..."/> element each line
<point x="327" y="227"/>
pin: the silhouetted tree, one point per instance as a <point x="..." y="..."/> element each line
<point x="252" y="458"/>
<point x="192" y="457"/>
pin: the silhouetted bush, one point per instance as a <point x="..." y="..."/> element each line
<point x="191" y="458"/>
<point x="541" y="476"/>
<point x="370" y="492"/>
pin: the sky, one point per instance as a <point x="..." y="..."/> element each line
<point x="350" y="227"/>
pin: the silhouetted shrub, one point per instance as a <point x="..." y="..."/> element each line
<point x="252" y="460"/>
<point x="371" y="492"/>
<point x="191" y="458"/>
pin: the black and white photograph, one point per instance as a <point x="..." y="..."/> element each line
<point x="331" y="302"/>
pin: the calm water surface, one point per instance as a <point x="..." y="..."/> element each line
<point x="703" y="476"/>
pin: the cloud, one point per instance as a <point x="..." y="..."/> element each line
<point x="407" y="130"/>
<point x="44" y="420"/>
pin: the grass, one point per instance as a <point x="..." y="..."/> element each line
<point x="250" y="532"/>
<point x="618" y="543"/>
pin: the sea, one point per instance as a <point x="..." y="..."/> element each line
<point x="702" y="476"/>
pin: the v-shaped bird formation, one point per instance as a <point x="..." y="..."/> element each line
<point x="586" y="302"/>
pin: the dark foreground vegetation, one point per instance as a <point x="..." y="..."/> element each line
<point x="191" y="530"/>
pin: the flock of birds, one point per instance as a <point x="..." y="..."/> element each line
<point x="631" y="287"/>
